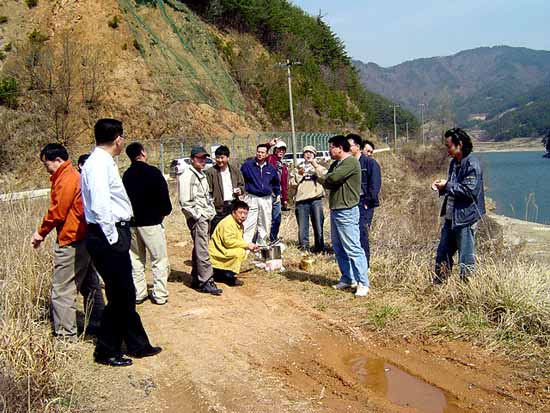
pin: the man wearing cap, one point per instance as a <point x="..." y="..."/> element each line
<point x="196" y="204"/>
<point x="309" y="200"/>
<point x="261" y="183"/>
<point x="276" y="159"/>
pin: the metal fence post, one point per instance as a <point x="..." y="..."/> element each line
<point x="161" y="158"/>
<point x="181" y="149"/>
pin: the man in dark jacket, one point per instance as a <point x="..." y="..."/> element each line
<point x="226" y="184"/>
<point x="462" y="208"/>
<point x="261" y="184"/>
<point x="148" y="193"/>
<point x="371" y="182"/>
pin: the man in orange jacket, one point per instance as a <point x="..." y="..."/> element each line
<point x="73" y="270"/>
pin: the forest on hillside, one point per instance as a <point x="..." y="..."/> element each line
<point x="325" y="84"/>
<point x="502" y="90"/>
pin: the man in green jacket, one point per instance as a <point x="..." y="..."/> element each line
<point x="343" y="181"/>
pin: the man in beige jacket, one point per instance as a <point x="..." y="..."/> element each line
<point x="198" y="208"/>
<point x="309" y="201"/>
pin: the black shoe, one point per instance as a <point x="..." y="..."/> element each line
<point x="147" y="352"/>
<point x="195" y="285"/>
<point x="211" y="288"/>
<point x="157" y="302"/>
<point x="141" y="300"/>
<point x="234" y="282"/>
<point x="116" y="361"/>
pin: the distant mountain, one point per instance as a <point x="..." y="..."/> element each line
<point x="502" y="90"/>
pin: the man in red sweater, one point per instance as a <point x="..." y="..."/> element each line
<point x="73" y="270"/>
<point x="279" y="204"/>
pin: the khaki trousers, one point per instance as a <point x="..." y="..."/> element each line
<point x="150" y="238"/>
<point x="201" y="270"/>
<point x="74" y="273"/>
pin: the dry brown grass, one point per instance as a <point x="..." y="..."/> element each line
<point x="36" y="370"/>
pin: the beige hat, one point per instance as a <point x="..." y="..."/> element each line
<point x="310" y="149"/>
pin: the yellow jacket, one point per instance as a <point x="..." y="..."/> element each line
<point x="227" y="248"/>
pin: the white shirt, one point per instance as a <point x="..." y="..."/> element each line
<point x="103" y="195"/>
<point x="227" y="185"/>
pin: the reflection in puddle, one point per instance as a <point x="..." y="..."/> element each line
<point x="400" y="387"/>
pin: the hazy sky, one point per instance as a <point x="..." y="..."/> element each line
<point x="389" y="32"/>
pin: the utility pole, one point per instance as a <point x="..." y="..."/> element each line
<point x="288" y="65"/>
<point x="395" y="125"/>
<point x="422" y="122"/>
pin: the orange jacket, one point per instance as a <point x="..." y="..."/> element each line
<point x="66" y="212"/>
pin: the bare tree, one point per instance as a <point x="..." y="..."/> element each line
<point x="92" y="73"/>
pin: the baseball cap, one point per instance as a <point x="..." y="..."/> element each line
<point x="280" y="144"/>
<point x="310" y="149"/>
<point x="198" y="151"/>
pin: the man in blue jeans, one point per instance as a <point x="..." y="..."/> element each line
<point x="343" y="180"/>
<point x="462" y="208"/>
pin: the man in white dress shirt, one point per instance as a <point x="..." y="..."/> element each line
<point x="108" y="211"/>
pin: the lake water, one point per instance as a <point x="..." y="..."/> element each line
<point x="519" y="183"/>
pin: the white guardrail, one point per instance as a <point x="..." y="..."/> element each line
<point x="14" y="196"/>
<point x="39" y="193"/>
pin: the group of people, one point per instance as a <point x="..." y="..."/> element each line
<point x="106" y="224"/>
<point x="253" y="196"/>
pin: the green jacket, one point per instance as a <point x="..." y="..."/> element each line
<point x="343" y="180"/>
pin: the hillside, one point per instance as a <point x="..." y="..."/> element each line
<point x="503" y="90"/>
<point x="170" y="69"/>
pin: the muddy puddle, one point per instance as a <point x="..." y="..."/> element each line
<point x="400" y="387"/>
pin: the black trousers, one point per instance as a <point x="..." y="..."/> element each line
<point x="120" y="321"/>
<point x="225" y="211"/>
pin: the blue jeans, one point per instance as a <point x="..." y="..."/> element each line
<point x="365" y="221"/>
<point x="461" y="239"/>
<point x="304" y="210"/>
<point x="344" y="232"/>
<point x="275" y="220"/>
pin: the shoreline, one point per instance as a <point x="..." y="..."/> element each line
<point x="511" y="145"/>
<point x="533" y="238"/>
<point x="490" y="150"/>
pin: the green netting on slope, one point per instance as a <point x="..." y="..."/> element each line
<point x="181" y="54"/>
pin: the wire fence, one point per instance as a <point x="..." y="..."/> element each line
<point x="161" y="153"/>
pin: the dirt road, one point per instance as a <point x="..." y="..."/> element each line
<point x="264" y="347"/>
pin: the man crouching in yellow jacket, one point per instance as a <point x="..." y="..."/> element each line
<point x="227" y="248"/>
